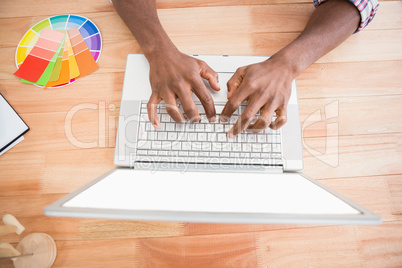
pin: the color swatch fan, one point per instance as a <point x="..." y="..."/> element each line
<point x="58" y="50"/>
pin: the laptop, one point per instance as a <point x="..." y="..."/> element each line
<point x="192" y="172"/>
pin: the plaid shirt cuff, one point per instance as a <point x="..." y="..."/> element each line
<point x="367" y="9"/>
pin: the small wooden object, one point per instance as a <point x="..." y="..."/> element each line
<point x="43" y="250"/>
<point x="7" y="250"/>
<point x="12" y="225"/>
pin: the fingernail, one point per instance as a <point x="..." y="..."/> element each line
<point x="212" y="119"/>
<point x="223" y="119"/>
<point x="156" y="126"/>
<point x="231" y="136"/>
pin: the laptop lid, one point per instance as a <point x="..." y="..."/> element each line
<point x="224" y="197"/>
<point x="12" y="127"/>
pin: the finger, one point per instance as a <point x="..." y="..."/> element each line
<point x="152" y="109"/>
<point x="244" y="120"/>
<point x="264" y="120"/>
<point x="209" y="74"/>
<point x="234" y="102"/>
<point x="234" y="82"/>
<point x="281" y="118"/>
<point x="207" y="102"/>
<point x="189" y="106"/>
<point x="172" y="108"/>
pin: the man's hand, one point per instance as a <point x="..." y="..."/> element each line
<point x="175" y="75"/>
<point x="266" y="86"/>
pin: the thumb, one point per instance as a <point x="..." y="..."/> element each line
<point x="212" y="76"/>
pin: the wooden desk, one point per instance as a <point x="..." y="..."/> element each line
<point x="362" y="78"/>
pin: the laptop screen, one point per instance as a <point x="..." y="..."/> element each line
<point x="284" y="193"/>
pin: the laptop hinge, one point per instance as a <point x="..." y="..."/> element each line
<point x="183" y="167"/>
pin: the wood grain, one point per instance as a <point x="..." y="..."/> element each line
<point x="362" y="76"/>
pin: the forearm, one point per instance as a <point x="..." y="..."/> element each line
<point x="329" y="25"/>
<point x="141" y="18"/>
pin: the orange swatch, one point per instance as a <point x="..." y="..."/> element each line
<point x="64" y="71"/>
<point x="85" y="61"/>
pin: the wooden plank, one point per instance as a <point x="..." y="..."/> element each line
<point x="360" y="155"/>
<point x="348" y="112"/>
<point x="237" y="250"/>
<point x="318" y="247"/>
<point x="21" y="173"/>
<point x="380" y="246"/>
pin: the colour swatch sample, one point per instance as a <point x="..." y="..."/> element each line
<point x="73" y="66"/>
<point x="83" y="56"/>
<point x="86" y="28"/>
<point x="37" y="62"/>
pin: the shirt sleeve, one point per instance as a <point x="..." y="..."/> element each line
<point x="367" y="9"/>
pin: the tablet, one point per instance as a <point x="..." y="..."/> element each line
<point x="12" y="127"/>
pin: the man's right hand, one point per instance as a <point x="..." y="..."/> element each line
<point x="176" y="75"/>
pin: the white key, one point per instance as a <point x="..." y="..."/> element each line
<point x="276" y="148"/>
<point x="152" y="135"/>
<point x="190" y="127"/>
<point x="172" y="136"/>
<point x="204" y="153"/>
<point x="144" y="145"/>
<point x="236" y="147"/>
<point x="149" y="127"/>
<point x="255" y="155"/>
<point x="152" y="152"/>
<point x="261" y="138"/>
<point x="162" y="153"/>
<point x="266" y="155"/>
<point x="192" y="136"/>
<point x="180" y="127"/>
<point x="166" y="145"/>
<point x="202" y="136"/>
<point x="186" y="146"/>
<point x="234" y="154"/>
<point x="206" y="146"/>
<point x="176" y="146"/>
<point x="244" y="155"/>
<point x="223" y="154"/>
<point x="192" y="154"/>
<point x="251" y="137"/>
<point x="169" y="126"/>
<point x="243" y="137"/>
<point x="216" y="146"/>
<point x="209" y="128"/>
<point x="142" y="152"/>
<point x="183" y="153"/>
<point x="222" y="137"/>
<point x="173" y="153"/>
<point x="162" y="136"/>
<point x="204" y="119"/>
<point x="182" y="136"/>
<point x="256" y="147"/>
<point x="199" y="127"/>
<point x="227" y="128"/>
<point x="266" y="148"/>
<point x="196" y="146"/>
<point x="219" y="128"/>
<point x="214" y="154"/>
<point x="226" y="146"/>
<point x="246" y="147"/>
<point x="157" y="145"/>
<point x="165" y="118"/>
<point x="211" y="137"/>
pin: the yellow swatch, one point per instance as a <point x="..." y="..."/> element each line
<point x="74" y="71"/>
<point x="57" y="67"/>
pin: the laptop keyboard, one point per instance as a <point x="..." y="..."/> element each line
<point x="205" y="142"/>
